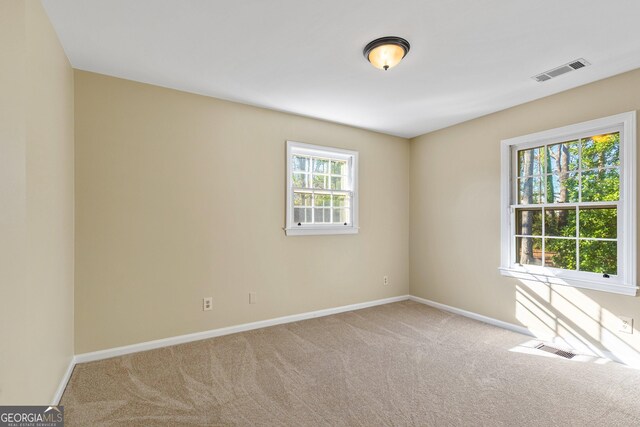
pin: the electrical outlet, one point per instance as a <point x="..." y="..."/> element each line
<point x="385" y="280"/>
<point x="207" y="304"/>
<point x="252" y="298"/>
<point x="626" y="324"/>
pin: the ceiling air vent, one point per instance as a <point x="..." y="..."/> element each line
<point x="563" y="69"/>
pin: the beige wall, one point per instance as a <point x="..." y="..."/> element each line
<point x="180" y="197"/>
<point x="455" y="222"/>
<point x="36" y="219"/>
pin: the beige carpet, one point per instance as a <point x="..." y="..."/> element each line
<point x="397" y="364"/>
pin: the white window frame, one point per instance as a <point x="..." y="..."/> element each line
<point x="299" y="148"/>
<point x="625" y="281"/>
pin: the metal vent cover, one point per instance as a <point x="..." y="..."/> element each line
<point x="556" y="351"/>
<point x="577" y="65"/>
<point x="559" y="71"/>
<point x="563" y="69"/>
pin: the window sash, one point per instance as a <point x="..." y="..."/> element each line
<point x="578" y="137"/>
<point x="313" y="192"/>
<point x="577" y="237"/>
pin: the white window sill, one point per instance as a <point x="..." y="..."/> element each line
<point x="315" y="231"/>
<point x="549" y="278"/>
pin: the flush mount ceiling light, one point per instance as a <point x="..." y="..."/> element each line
<point x="386" y="52"/>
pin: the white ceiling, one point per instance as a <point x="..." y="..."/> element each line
<point x="468" y="58"/>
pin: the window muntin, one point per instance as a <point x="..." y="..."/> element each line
<point x="544" y="189"/>
<point x="567" y="204"/>
<point x="321" y="190"/>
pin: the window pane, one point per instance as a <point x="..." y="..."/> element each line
<point x="531" y="161"/>
<point x="302" y="199"/>
<point x="301" y="215"/>
<point x="322" y="215"/>
<point x="337" y="183"/>
<point x="599" y="222"/>
<point x="300" y="180"/>
<point x="320" y="166"/>
<point x="529" y="250"/>
<point x="563" y="157"/>
<point x="340" y="200"/>
<point x="309" y="215"/>
<point x="603" y="185"/>
<point x="338" y="167"/>
<point x="529" y="222"/>
<point x="340" y="216"/>
<point x="300" y="163"/>
<point x="562" y="188"/>
<point x="560" y="222"/>
<point x="598" y="256"/>
<point x="322" y="200"/>
<point x="601" y="151"/>
<point x="560" y="253"/>
<point x="530" y="190"/>
<point x="320" y="181"/>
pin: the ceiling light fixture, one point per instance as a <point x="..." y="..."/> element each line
<point x="386" y="52"/>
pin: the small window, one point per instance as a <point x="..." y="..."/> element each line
<point x="322" y="190"/>
<point x="569" y="205"/>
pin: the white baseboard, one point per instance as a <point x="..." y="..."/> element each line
<point x="181" y="339"/>
<point x="63" y="382"/>
<point x="474" y="316"/>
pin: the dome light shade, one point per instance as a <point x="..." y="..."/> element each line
<point x="386" y="52"/>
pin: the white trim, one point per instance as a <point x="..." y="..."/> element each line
<point x="181" y="339"/>
<point x="579" y="129"/>
<point x="629" y="218"/>
<point x="313" y="231"/>
<point x="507" y="229"/>
<point x="624" y="283"/>
<point x="63" y="382"/>
<point x="475" y="316"/>
<point x="321" y="151"/>
<point x="557" y="279"/>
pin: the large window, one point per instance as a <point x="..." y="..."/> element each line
<point x="322" y="190"/>
<point x="569" y="205"/>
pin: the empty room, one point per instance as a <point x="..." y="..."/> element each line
<point x="330" y="213"/>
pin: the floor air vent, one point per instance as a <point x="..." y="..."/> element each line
<point x="563" y="69"/>
<point x="556" y="351"/>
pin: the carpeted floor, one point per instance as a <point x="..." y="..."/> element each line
<point x="398" y="364"/>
